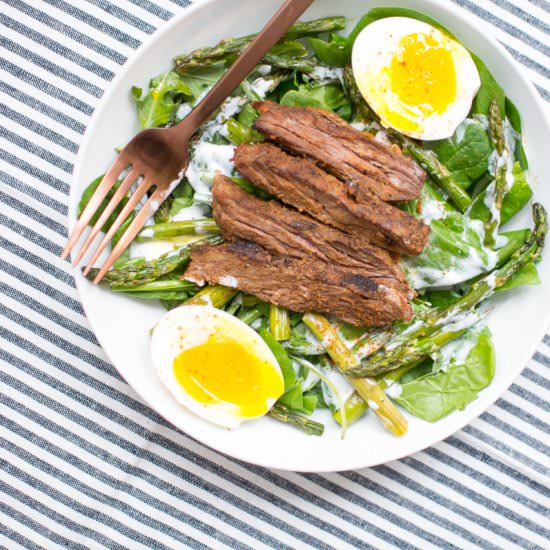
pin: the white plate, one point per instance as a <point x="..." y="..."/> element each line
<point x="122" y="324"/>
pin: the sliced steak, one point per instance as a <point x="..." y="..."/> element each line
<point x="286" y="231"/>
<point x="302" y="184"/>
<point x="366" y="165"/>
<point x="298" y="284"/>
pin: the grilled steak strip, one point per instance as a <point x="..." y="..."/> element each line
<point x="298" y="284"/>
<point x="302" y="184"/>
<point x="285" y="231"/>
<point x="366" y="165"/>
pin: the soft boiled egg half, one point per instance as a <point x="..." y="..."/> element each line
<point x="418" y="80"/>
<point x="215" y="365"/>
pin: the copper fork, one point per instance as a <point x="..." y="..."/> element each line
<point x="160" y="156"/>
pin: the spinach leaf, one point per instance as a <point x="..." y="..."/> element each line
<point x="513" y="201"/>
<point x="87" y="195"/>
<point x="527" y="275"/>
<point x="283" y="359"/>
<point x="382" y="12"/>
<point x="434" y="396"/>
<point x="466" y="153"/>
<point x="181" y="197"/>
<point x="335" y="53"/>
<point x="454" y="254"/>
<point x="514" y="117"/>
<point x="328" y="96"/>
<point x="488" y="90"/>
<point x="159" y="105"/>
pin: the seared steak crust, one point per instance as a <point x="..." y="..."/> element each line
<point x="364" y="164"/>
<point x="298" y="284"/>
<point x="302" y="184"/>
<point x="285" y="231"/>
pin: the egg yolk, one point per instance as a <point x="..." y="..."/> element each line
<point x="422" y="78"/>
<point x="225" y="371"/>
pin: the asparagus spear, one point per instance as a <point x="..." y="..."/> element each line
<point x="284" y="414"/>
<point x="381" y="404"/>
<point x="499" y="186"/>
<point x="367" y="388"/>
<point x="157" y="286"/>
<point x="251" y="315"/>
<point x="279" y="322"/>
<point x="148" y="271"/>
<point x="435" y="168"/>
<point x="413" y="341"/>
<point x="215" y="296"/>
<point x="169" y="230"/>
<point x="229" y="46"/>
<point x="355" y="407"/>
<point x="426" y="158"/>
<point x="328" y="337"/>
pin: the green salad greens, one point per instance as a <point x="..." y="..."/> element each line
<point x="476" y="183"/>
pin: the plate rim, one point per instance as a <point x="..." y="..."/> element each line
<point x="467" y="415"/>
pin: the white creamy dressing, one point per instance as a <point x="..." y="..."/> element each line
<point x="326" y="75"/>
<point x="261" y="86"/>
<point x="150" y="250"/>
<point x="206" y="160"/>
<point x="393" y="388"/>
<point x="193" y="212"/>
<point x="432" y="209"/>
<point x="457" y="351"/>
<point x="462" y="269"/>
<point x="344" y="388"/>
<point x="230" y="281"/>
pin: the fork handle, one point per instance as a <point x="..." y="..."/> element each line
<point x="247" y="60"/>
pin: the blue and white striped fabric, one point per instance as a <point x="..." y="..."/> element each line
<point x="85" y="464"/>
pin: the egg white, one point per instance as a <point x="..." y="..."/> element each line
<point x="189" y="326"/>
<point x="373" y="52"/>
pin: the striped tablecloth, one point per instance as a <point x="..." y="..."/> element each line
<point x="85" y="464"/>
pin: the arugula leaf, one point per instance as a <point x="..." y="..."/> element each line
<point x="328" y="96"/>
<point x="181" y="197"/>
<point x="159" y="105"/>
<point x="434" y="396"/>
<point x="335" y="53"/>
<point x="466" y="153"/>
<point x="200" y="79"/>
<point x="488" y="90"/>
<point x="513" y="201"/>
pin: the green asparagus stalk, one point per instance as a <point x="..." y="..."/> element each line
<point x="288" y="416"/>
<point x="279" y="322"/>
<point x="215" y="296"/>
<point x="231" y="46"/>
<point x="367" y="388"/>
<point x="145" y="272"/>
<point x="362" y="108"/>
<point x="414" y="342"/>
<point x="355" y="407"/>
<point x="388" y="414"/>
<point x="157" y="286"/>
<point x="328" y="337"/>
<point x="514" y="240"/>
<point x="169" y="230"/>
<point x="496" y="133"/>
<point x="251" y="315"/>
<point x="436" y="169"/>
